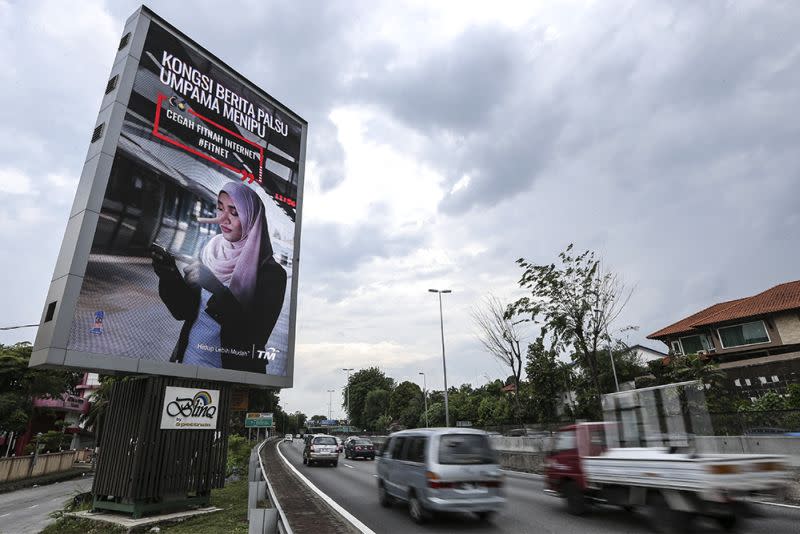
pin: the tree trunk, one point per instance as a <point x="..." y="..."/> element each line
<point x="592" y="359"/>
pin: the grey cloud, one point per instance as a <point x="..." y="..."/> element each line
<point x="333" y="254"/>
<point x="456" y="88"/>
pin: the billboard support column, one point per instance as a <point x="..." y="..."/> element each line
<point x="165" y="445"/>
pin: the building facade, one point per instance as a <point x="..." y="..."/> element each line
<point x="755" y="340"/>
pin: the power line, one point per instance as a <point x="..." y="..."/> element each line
<point x="16" y="327"/>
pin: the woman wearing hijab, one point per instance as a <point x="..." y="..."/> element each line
<point x="231" y="298"/>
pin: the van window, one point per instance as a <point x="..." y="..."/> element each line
<point x="457" y="449"/>
<point x="565" y="441"/>
<point x="396" y="447"/>
<point x="324" y="441"/>
<point x="415" y="450"/>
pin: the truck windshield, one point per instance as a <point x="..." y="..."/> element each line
<point x="460" y="449"/>
<point x="565" y="441"/>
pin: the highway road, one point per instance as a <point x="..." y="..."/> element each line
<point x="27" y="510"/>
<point x="353" y="485"/>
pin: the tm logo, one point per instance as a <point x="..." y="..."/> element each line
<point x="268" y="354"/>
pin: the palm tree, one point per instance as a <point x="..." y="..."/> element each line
<point x="98" y="406"/>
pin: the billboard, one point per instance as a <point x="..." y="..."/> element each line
<point x="180" y="257"/>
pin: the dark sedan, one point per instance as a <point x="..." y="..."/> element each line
<point x="359" y="448"/>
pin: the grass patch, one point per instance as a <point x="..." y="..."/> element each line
<point x="231" y="519"/>
<point x="74" y="525"/>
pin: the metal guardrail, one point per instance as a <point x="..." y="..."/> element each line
<point x="263" y="520"/>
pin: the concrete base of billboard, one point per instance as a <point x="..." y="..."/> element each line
<point x="130" y="523"/>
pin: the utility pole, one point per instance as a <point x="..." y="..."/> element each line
<point x="330" y="403"/>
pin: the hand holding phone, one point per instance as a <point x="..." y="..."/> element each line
<point x="163" y="261"/>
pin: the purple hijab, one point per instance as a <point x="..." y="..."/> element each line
<point x="236" y="264"/>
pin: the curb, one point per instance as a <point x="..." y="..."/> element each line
<point x="330" y="502"/>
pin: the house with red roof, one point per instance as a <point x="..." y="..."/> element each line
<point x="755" y="339"/>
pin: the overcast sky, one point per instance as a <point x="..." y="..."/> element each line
<point x="447" y="141"/>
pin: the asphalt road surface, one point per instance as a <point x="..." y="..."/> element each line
<point x="27" y="510"/>
<point x="353" y="485"/>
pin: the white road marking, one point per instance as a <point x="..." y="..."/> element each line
<point x="376" y="476"/>
<point x="34" y="506"/>
<point x="5" y="514"/>
<point x="350" y="466"/>
<point x="766" y="503"/>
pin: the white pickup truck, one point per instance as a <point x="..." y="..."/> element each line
<point x="606" y="462"/>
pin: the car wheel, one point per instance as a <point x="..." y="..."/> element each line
<point x="486" y="516"/>
<point x="384" y="498"/>
<point x="728" y="523"/>
<point x="335" y="464"/>
<point x="576" y="501"/>
<point x="415" y="509"/>
<point x="305" y="461"/>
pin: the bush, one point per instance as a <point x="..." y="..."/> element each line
<point x="238" y="454"/>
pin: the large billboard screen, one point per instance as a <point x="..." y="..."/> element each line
<point x="192" y="258"/>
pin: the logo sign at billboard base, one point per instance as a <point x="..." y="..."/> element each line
<point x="190" y="409"/>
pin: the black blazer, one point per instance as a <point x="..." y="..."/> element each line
<point x="241" y="329"/>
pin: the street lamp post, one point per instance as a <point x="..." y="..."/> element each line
<point x="444" y="362"/>
<point x="611" y="357"/>
<point x="348" y="393"/>
<point x="330" y="403"/>
<point x="598" y="312"/>
<point x="425" y="396"/>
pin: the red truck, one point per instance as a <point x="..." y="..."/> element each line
<point x="672" y="485"/>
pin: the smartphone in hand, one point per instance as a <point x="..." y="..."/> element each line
<point x="162" y="257"/>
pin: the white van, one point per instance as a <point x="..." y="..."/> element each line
<point x="441" y="470"/>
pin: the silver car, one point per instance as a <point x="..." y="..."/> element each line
<point x="321" y="448"/>
<point x="441" y="470"/>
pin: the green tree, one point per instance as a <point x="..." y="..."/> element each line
<point x="376" y="406"/>
<point x="20" y="385"/>
<point x="493" y="411"/>
<point x="628" y="367"/>
<point x="463" y="404"/>
<point x="575" y="304"/>
<point x="793" y="397"/>
<point x="360" y="384"/>
<point x="435" y="413"/>
<point x="382" y="423"/>
<point x="548" y="377"/>
<point x="405" y="404"/>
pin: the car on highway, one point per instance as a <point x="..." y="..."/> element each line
<point x="441" y="470"/>
<point x="288" y="437"/>
<point x="321" y="448"/>
<point x="359" y="448"/>
<point x="339" y="445"/>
